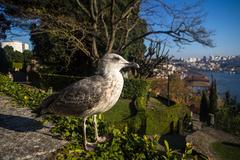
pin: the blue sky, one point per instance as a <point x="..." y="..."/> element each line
<point x="223" y="16"/>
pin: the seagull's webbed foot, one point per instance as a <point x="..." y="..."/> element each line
<point x="101" y="139"/>
<point x="90" y="146"/>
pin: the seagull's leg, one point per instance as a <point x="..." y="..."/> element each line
<point x="87" y="145"/>
<point x="98" y="139"/>
<point x="95" y="126"/>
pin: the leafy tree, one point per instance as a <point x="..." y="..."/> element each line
<point x="67" y="58"/>
<point x="229" y="100"/>
<point x="27" y="55"/>
<point x="8" y="56"/>
<point x="227" y="97"/>
<point x="94" y="28"/>
<point x="204" y="105"/>
<point x="17" y="56"/>
<point x="213" y="97"/>
<point x="14" y="56"/>
<point x="179" y="92"/>
<point x="5" y="63"/>
<point x="26" y="59"/>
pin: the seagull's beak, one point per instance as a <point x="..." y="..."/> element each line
<point x="132" y="64"/>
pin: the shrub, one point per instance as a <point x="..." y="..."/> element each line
<point x="56" y="81"/>
<point x="141" y="103"/>
<point x="18" y="65"/>
<point x="204" y="106"/>
<point x="162" y="119"/>
<point x="137" y="124"/>
<point x="135" y="88"/>
<point x="122" y="145"/>
<point x="225" y="120"/>
<point x="25" y="96"/>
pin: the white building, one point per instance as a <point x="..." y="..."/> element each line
<point x="192" y="60"/>
<point x="17" y="45"/>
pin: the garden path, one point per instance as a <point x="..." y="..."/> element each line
<point x="21" y="136"/>
<point x="202" y="140"/>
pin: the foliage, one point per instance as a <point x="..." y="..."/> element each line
<point x="138" y="123"/>
<point x="169" y="151"/>
<point x="179" y="92"/>
<point x="141" y="103"/>
<point x="160" y="117"/>
<point x="27" y="55"/>
<point x="204" y="106"/>
<point x="122" y="145"/>
<point x="76" y="47"/>
<point x="213" y="97"/>
<point x="135" y="88"/>
<point x="52" y="52"/>
<point x="14" y="56"/>
<point x="25" y="96"/>
<point x="228" y="119"/>
<point x="5" y="62"/>
<point x="119" y="114"/>
<point x="17" y="65"/>
<point x="56" y="81"/>
<point x="229" y="151"/>
<point x="12" y="59"/>
<point x="229" y="100"/>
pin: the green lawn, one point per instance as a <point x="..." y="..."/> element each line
<point x="226" y="151"/>
<point x="119" y="112"/>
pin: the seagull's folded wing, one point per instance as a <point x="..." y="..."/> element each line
<point x="79" y="97"/>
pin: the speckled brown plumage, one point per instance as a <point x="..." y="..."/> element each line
<point x="91" y="95"/>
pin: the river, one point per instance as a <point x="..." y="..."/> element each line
<point x="226" y="82"/>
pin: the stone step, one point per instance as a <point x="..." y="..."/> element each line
<point x="22" y="136"/>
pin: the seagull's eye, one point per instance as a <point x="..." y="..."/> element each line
<point x="116" y="58"/>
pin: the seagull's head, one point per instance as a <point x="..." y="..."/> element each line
<point x="115" y="62"/>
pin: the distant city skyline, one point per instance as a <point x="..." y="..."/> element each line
<point x="223" y="17"/>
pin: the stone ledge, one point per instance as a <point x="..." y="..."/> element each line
<point x="22" y="136"/>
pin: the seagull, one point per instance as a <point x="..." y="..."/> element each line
<point x="90" y="96"/>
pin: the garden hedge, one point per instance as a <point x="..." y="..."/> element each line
<point x="159" y="120"/>
<point x="56" y="81"/>
<point x="132" y="87"/>
<point x="24" y="95"/>
<point x="135" y="88"/>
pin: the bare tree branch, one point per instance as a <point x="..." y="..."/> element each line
<point x="83" y="8"/>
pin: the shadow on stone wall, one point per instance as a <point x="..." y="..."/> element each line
<point x="19" y="124"/>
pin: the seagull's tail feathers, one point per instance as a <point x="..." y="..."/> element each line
<point x="44" y="106"/>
